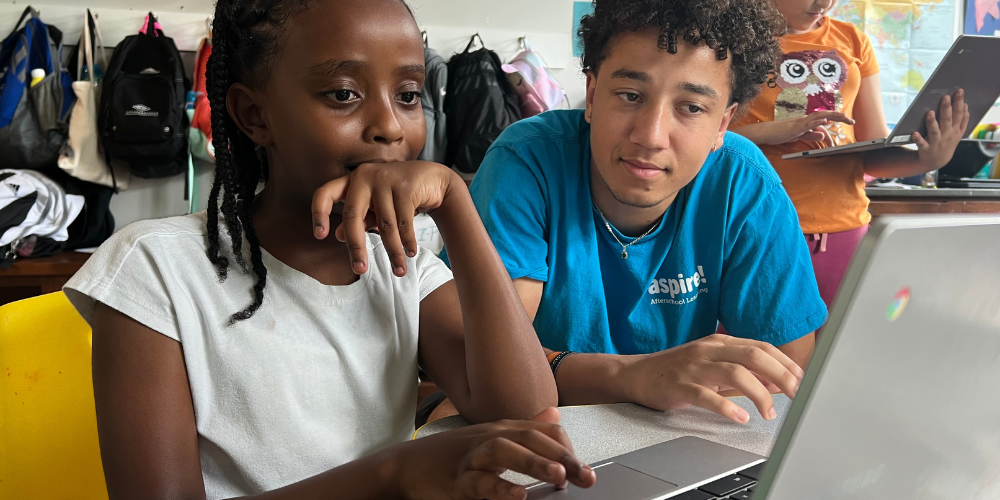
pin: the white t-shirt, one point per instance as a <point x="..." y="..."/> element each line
<point x="427" y="234"/>
<point x="319" y="376"/>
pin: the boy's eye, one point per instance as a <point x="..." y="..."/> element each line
<point x="628" y="96"/>
<point x="693" y="109"/>
<point x="409" y="97"/>
<point x="342" y="95"/>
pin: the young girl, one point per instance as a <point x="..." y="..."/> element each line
<point x="826" y="92"/>
<point x="310" y="390"/>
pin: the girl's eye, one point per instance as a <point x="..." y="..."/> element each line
<point x="628" y="96"/>
<point x="409" y="97"/>
<point x="342" y="95"/>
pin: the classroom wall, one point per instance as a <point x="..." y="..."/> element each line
<point x="449" y="24"/>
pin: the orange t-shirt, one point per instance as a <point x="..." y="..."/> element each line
<point x="820" y="71"/>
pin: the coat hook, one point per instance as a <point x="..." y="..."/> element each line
<point x="472" y="42"/>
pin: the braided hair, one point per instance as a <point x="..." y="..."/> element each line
<point x="246" y="36"/>
<point x="746" y="30"/>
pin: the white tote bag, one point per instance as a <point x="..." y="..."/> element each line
<point x="82" y="157"/>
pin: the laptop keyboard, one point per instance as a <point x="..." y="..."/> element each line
<point x="738" y="486"/>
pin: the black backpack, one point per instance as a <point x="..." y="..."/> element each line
<point x="141" y="118"/>
<point x="480" y="103"/>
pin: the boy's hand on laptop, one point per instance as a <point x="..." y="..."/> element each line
<point x="466" y="463"/>
<point x="810" y="127"/>
<point x="943" y="133"/>
<point x="383" y="196"/>
<point x="695" y="373"/>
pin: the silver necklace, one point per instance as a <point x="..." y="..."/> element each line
<point x="613" y="235"/>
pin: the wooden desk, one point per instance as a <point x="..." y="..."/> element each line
<point x="933" y="201"/>
<point x="33" y="277"/>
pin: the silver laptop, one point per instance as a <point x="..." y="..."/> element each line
<point x="970" y="64"/>
<point x="901" y="398"/>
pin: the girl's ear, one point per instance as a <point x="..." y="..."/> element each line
<point x="244" y="105"/>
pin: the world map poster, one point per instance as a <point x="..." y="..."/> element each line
<point x="910" y="38"/>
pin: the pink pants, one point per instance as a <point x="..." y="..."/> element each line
<point x="831" y="254"/>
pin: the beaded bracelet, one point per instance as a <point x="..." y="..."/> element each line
<point x="554" y="364"/>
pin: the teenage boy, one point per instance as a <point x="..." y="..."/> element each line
<point x="634" y="227"/>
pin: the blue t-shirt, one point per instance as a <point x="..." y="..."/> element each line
<point x="728" y="249"/>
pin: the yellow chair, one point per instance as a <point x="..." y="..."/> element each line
<point x="48" y="428"/>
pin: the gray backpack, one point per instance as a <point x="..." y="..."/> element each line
<point x="432" y="100"/>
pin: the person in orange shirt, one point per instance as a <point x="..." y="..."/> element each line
<point x="826" y="92"/>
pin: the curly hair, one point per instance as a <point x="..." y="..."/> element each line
<point x="246" y="36"/>
<point x="746" y="31"/>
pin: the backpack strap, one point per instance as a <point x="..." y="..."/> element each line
<point x="28" y="10"/>
<point x="472" y="41"/>
<point x="151" y="26"/>
<point x="85" y="51"/>
<point x="98" y="40"/>
<point x="114" y="180"/>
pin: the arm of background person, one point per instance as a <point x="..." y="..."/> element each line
<point x="945" y="129"/>
<point x="804" y="128"/>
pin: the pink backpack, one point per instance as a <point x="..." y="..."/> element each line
<point x="537" y="88"/>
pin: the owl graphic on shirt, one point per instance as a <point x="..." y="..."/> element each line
<point x="810" y="81"/>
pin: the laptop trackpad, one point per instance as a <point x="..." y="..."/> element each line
<point x="613" y="481"/>
<point x="687" y="460"/>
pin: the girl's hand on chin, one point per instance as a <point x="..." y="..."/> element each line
<point x="383" y="196"/>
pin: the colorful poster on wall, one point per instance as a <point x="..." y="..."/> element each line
<point x="982" y="17"/>
<point x="580" y="9"/>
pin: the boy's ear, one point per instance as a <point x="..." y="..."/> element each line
<point x="244" y="106"/>
<point x="727" y="118"/>
<point x="591" y="89"/>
